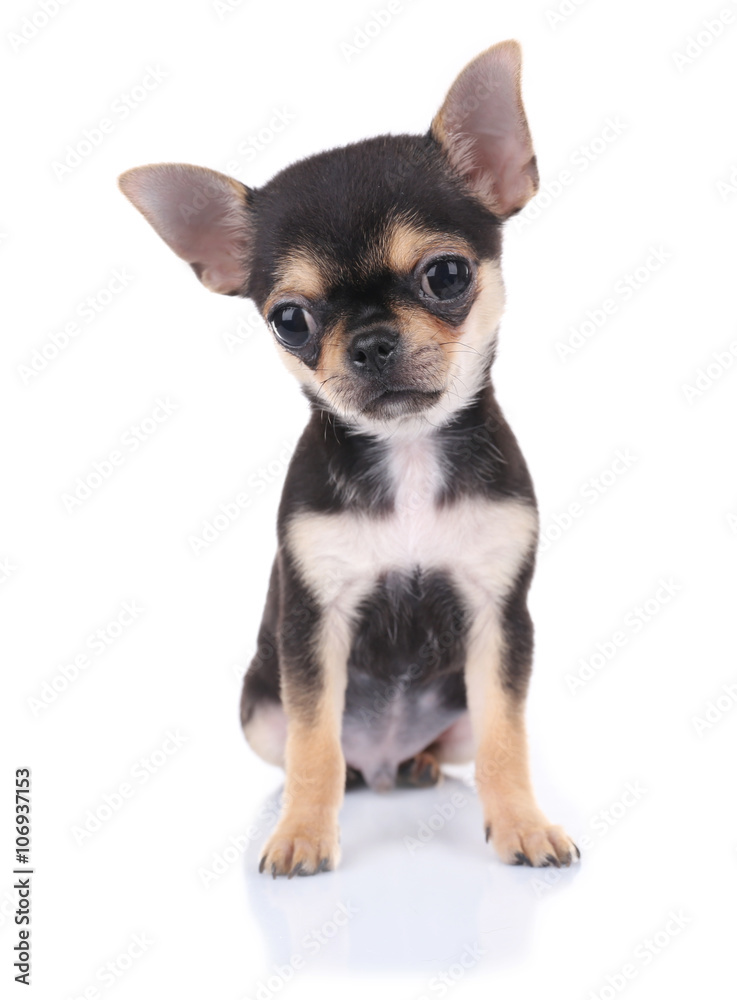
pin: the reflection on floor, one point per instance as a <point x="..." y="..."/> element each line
<point x="417" y="890"/>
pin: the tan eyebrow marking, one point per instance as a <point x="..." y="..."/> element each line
<point x="407" y="244"/>
<point x="297" y="274"/>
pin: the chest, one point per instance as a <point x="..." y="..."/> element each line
<point x="480" y="541"/>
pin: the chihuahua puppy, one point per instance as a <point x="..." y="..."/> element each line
<point x="395" y="635"/>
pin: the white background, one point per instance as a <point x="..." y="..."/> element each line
<point x="663" y="183"/>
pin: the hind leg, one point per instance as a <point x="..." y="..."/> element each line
<point x="420" y="771"/>
<point x="266" y="731"/>
<point x="263" y="717"/>
<point x="300" y="671"/>
<point x="456" y="744"/>
<point x="453" y="746"/>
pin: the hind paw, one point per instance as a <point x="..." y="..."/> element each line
<point x="421" y="771"/>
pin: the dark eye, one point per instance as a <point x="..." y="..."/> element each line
<point x="446" y="279"/>
<point x="293" y="325"/>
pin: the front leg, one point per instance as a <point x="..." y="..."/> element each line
<point x="497" y="670"/>
<point x="314" y="643"/>
<point x="306" y="838"/>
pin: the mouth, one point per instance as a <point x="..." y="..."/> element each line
<point x="394" y="402"/>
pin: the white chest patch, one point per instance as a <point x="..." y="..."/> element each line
<point x="481" y="543"/>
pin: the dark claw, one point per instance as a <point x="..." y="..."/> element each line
<point x="552" y="860"/>
<point x="566" y="859"/>
<point x="522" y="859"/>
<point x="297" y="870"/>
<point x="488" y="832"/>
<point x="353" y="779"/>
<point x="273" y="870"/>
<point x="262" y="864"/>
<point x="578" y="853"/>
<point x="323" y="866"/>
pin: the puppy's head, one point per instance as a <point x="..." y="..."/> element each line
<point x="376" y="265"/>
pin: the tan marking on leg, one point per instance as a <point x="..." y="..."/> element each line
<point x="306" y="838"/>
<point x="521" y="832"/>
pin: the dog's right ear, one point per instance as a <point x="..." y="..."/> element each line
<point x="201" y="214"/>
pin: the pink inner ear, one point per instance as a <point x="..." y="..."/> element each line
<point x="201" y="214"/>
<point x="483" y="128"/>
<point x="514" y="175"/>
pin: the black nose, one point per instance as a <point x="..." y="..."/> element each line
<point x="371" y="351"/>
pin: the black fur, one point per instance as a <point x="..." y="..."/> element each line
<point x="407" y="620"/>
<point x="338" y="207"/>
<point x="376" y="268"/>
<point x="415" y="619"/>
<point x="339" y="203"/>
<point x="410" y="639"/>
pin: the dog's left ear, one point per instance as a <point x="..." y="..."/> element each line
<point x="483" y="129"/>
<point x="201" y="214"/>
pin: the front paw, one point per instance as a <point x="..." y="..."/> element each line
<point x="532" y="841"/>
<point x="299" y="847"/>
